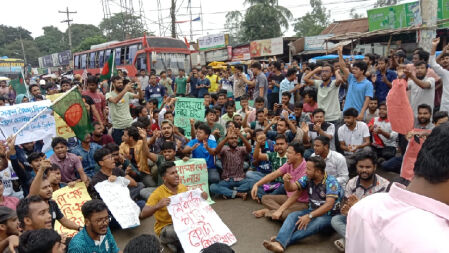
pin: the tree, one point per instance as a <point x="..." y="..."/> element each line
<point x="382" y="3"/>
<point x="14" y="50"/>
<point x="53" y="41"/>
<point x="80" y="32"/>
<point x="313" y="22"/>
<point x="9" y="34"/>
<point x="233" y="26"/>
<point x="121" y="26"/>
<point x="355" y="15"/>
<point x="264" y="19"/>
<point x="87" y="42"/>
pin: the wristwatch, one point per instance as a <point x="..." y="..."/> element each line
<point x="310" y="216"/>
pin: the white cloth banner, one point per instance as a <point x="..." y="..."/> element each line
<point x="197" y="225"/>
<point x="14" y="117"/>
<point x="116" y="196"/>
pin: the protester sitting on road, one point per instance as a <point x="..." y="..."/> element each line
<point x="98" y="135"/>
<point x="41" y="241"/>
<point x="145" y="243"/>
<point x="319" y="127"/>
<point x="96" y="235"/>
<point x="34" y="213"/>
<point x="218" y="248"/>
<point x="9" y="228"/>
<point x="86" y="150"/>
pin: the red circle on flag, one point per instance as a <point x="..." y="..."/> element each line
<point x="73" y="115"/>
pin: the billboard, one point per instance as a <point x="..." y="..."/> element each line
<point x="11" y="66"/>
<point x="268" y="47"/>
<point x="317" y="42"/>
<point x="56" y="59"/>
<point x="217" y="55"/>
<point x="241" y="53"/>
<point x="213" y="41"/>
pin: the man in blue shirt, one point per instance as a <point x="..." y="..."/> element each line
<point x="384" y="79"/>
<point x="324" y="202"/>
<point x="95" y="236"/>
<point x="359" y="88"/>
<point x="203" y="84"/>
<point x="154" y="90"/>
<point x="196" y="147"/>
<point x="86" y="150"/>
<point x="193" y="81"/>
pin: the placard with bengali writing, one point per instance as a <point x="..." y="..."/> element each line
<point x="196" y="224"/>
<point x="186" y="109"/>
<point x="193" y="174"/>
<point x="70" y="200"/>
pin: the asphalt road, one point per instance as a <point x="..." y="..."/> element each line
<point x="249" y="231"/>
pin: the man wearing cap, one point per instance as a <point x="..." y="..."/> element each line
<point x="8" y="228"/>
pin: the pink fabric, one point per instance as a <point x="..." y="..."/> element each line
<point x="400" y="112"/>
<point x="10" y="202"/>
<point x="296" y="174"/>
<point x="397" y="222"/>
<point x="413" y="148"/>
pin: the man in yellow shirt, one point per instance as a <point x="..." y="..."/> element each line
<point x="158" y="202"/>
<point x="213" y="78"/>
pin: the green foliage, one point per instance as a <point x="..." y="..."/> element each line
<point x="53" y="41"/>
<point x="313" y="22"/>
<point x="233" y="26"/>
<point x="382" y="3"/>
<point x="264" y="19"/>
<point x="121" y="26"/>
<point x="80" y="32"/>
<point x="87" y="42"/>
<point x="14" y="50"/>
<point x="355" y="15"/>
<point x="9" y="34"/>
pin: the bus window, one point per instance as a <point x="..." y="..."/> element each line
<point x="92" y="60"/>
<point x="76" y="62"/>
<point x="141" y="61"/>
<point x="83" y="61"/>
<point x="107" y="54"/>
<point x="117" y="56"/>
<point x="100" y="59"/>
<point x="122" y="56"/>
<point x="173" y="61"/>
<point x="130" y="54"/>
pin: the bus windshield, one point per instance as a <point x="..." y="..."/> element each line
<point x="173" y="61"/>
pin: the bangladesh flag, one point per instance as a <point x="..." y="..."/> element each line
<point x="71" y="108"/>
<point x="109" y="68"/>
<point x="19" y="85"/>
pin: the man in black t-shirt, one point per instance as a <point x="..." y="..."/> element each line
<point x="274" y="80"/>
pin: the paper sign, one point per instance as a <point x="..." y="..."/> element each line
<point x="12" y="118"/>
<point x="62" y="129"/>
<point x="186" y="109"/>
<point x="196" y="224"/>
<point x="116" y="196"/>
<point x="70" y="200"/>
<point x="193" y="174"/>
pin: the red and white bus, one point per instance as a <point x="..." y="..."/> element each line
<point x="153" y="54"/>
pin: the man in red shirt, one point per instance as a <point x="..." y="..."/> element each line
<point x="97" y="97"/>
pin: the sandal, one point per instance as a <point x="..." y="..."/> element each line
<point x="340" y="244"/>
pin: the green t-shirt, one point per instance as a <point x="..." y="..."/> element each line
<point x="119" y="113"/>
<point x="181" y="83"/>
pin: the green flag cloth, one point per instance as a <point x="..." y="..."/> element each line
<point x="18" y="85"/>
<point x="109" y="68"/>
<point x="71" y="108"/>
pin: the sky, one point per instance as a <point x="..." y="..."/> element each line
<point x="33" y="15"/>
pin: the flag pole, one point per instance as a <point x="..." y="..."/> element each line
<point x="25" y="83"/>
<point x="42" y="112"/>
<point x="112" y="70"/>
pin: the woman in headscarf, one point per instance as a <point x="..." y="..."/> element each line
<point x="22" y="98"/>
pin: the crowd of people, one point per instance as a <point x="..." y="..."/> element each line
<point x="306" y="145"/>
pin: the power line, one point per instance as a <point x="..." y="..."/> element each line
<point x="68" y="20"/>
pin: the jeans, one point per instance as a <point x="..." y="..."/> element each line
<point x="308" y="152"/>
<point x="338" y="222"/>
<point x="393" y="164"/>
<point x="274" y="202"/>
<point x="117" y="135"/>
<point x="214" y="176"/>
<point x="255" y="176"/>
<point x="230" y="188"/>
<point x="290" y="234"/>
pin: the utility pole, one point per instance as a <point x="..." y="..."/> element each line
<point x="68" y="20"/>
<point x="190" y="12"/>
<point x="429" y="9"/>
<point x="173" y="18"/>
<point x="23" y="48"/>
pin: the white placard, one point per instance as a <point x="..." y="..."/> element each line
<point x="212" y="41"/>
<point x="12" y="118"/>
<point x="197" y="225"/>
<point x="116" y="196"/>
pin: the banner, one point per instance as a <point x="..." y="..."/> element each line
<point x="193" y="174"/>
<point x="196" y="224"/>
<point x="213" y="41"/>
<point x="116" y="196"/>
<point x="317" y="42"/>
<point x="70" y="200"/>
<point x="259" y="48"/>
<point x="241" y="53"/>
<point x="186" y="109"/>
<point x="218" y="55"/>
<point x="62" y="129"/>
<point x="11" y="66"/>
<point x="55" y="60"/>
<point x="12" y="118"/>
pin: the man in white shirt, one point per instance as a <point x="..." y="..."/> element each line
<point x="442" y="72"/>
<point x="384" y="138"/>
<point x="422" y="88"/>
<point x="354" y="137"/>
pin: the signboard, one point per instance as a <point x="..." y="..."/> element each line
<point x="213" y="41"/>
<point x="218" y="55"/>
<point x="62" y="129"/>
<point x="259" y="48"/>
<point x="186" y="109"/>
<point x="317" y="42"/>
<point x="241" y="53"/>
<point x="193" y="174"/>
<point x="11" y="66"/>
<point x="12" y="118"/>
<point x="196" y="224"/>
<point x="116" y="196"/>
<point x="402" y="15"/>
<point x="70" y="200"/>
<point x="56" y="59"/>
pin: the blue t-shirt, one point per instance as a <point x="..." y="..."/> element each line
<point x="357" y="92"/>
<point x="328" y="188"/>
<point x="83" y="243"/>
<point x="202" y="91"/>
<point x="201" y="152"/>
<point x="157" y="92"/>
<point x="382" y="88"/>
